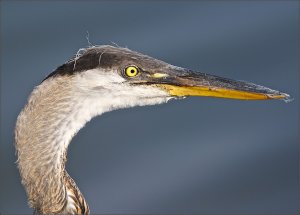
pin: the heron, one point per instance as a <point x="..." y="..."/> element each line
<point x="96" y="80"/>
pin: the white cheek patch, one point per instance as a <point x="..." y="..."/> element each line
<point x="94" y="78"/>
<point x="107" y="90"/>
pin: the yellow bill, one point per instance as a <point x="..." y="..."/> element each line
<point x="219" y="92"/>
<point x="181" y="82"/>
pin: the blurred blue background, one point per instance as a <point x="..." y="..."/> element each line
<point x="198" y="155"/>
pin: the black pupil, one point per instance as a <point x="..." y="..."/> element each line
<point x="132" y="71"/>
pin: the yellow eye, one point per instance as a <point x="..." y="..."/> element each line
<point x="131" y="71"/>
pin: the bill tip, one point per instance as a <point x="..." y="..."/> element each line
<point x="281" y="96"/>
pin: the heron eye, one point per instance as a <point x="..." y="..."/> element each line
<point x="131" y="71"/>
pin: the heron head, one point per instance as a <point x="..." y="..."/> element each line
<point x="127" y="78"/>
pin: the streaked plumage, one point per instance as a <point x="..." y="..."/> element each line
<point x="97" y="80"/>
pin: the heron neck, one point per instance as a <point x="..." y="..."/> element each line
<point x="44" y="130"/>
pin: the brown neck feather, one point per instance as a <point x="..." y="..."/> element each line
<point x="43" y="131"/>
